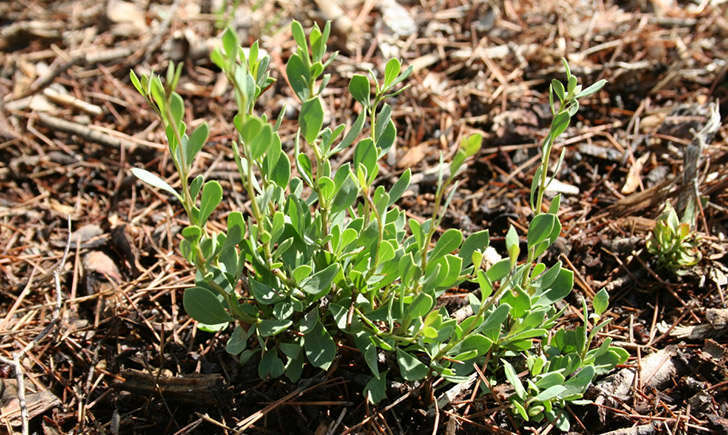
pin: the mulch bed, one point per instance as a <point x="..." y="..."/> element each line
<point x="120" y="355"/>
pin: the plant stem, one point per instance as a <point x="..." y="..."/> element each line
<point x="436" y="219"/>
<point x="181" y="166"/>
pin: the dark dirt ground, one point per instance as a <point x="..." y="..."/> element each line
<point x="122" y="355"/>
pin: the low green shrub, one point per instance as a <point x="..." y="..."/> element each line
<point x="326" y="257"/>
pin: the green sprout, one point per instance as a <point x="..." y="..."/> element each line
<point x="673" y="243"/>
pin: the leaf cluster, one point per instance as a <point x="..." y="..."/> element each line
<point x="673" y="243"/>
<point x="325" y="257"/>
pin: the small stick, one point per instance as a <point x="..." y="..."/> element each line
<point x="72" y="101"/>
<point x="83" y="131"/>
<point x="19" y="355"/>
<point x="47" y="79"/>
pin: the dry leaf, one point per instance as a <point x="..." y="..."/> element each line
<point x="633" y="177"/>
<point x="62" y="209"/>
<point x="413" y="156"/>
<point x="397" y="18"/>
<point x="86" y="233"/>
<point x="97" y="261"/>
<point x="129" y="20"/>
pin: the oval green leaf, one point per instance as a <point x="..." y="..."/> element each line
<point x="204" y="306"/>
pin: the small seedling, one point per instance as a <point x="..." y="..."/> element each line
<point x="673" y="243"/>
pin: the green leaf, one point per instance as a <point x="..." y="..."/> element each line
<point x="230" y="43"/>
<point x="555" y="203"/>
<point x="550" y="379"/>
<point x="272" y="154"/>
<point x="600" y="302"/>
<point x="519" y="301"/>
<point x="579" y="383"/>
<point x="558" y="88"/>
<point x="346" y="195"/>
<point x="376" y="389"/>
<point x="311" y="119"/>
<point x="592" y="89"/>
<point x="211" y="197"/>
<point x="264" y="293"/>
<point x="214" y="328"/>
<point x="387" y="137"/>
<point x="353" y="132"/>
<point x="513" y="379"/>
<point x="319" y="284"/>
<point x="499" y="270"/>
<point x="298" y="76"/>
<point x="290" y="350"/>
<point x="571" y="83"/>
<point x="299" y="35"/>
<point x="192" y="233"/>
<point x="157" y="90"/>
<point x="327" y="188"/>
<point x="519" y="408"/>
<point x="195" y="187"/>
<point x="196" y="142"/>
<point x="478" y="240"/>
<point x="512" y="245"/>
<point x="492" y="326"/>
<point x="154" y="181"/>
<point x="449" y="241"/>
<point x="559" y="124"/>
<point x="400" y="78"/>
<point x="318" y="40"/>
<point x="204" y="306"/>
<point x="261" y="142"/>
<point x="282" y="172"/>
<point x="550" y="393"/>
<point x="545" y="281"/>
<point x="320" y="347"/>
<point x="382" y="120"/>
<point x="370" y="357"/>
<point x="366" y="154"/>
<point x="606" y="362"/>
<point x="399" y="187"/>
<point x="471" y="144"/>
<point x="270" y="365"/>
<point x="457" y="162"/>
<point x="540" y="228"/>
<point x="391" y="71"/>
<point x="177" y="107"/>
<point x="301" y="272"/>
<point x="294" y="366"/>
<point x="560" y="288"/>
<point x="137" y="84"/>
<point x="340" y="314"/>
<point x="454" y="266"/>
<point x="410" y="367"/>
<point x="217" y="58"/>
<point x="562" y="422"/>
<point x="246" y="355"/>
<point x="270" y="327"/>
<point x="237" y="341"/>
<point x="420" y="306"/>
<point x="305" y="168"/>
<point x="360" y="89"/>
<point x="283" y="310"/>
<point x="476" y="342"/>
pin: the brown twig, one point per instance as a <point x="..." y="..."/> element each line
<point x="17" y="357"/>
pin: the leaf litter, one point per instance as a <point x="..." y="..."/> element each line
<point x="480" y="67"/>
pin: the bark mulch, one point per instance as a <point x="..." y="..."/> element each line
<point x="98" y="335"/>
